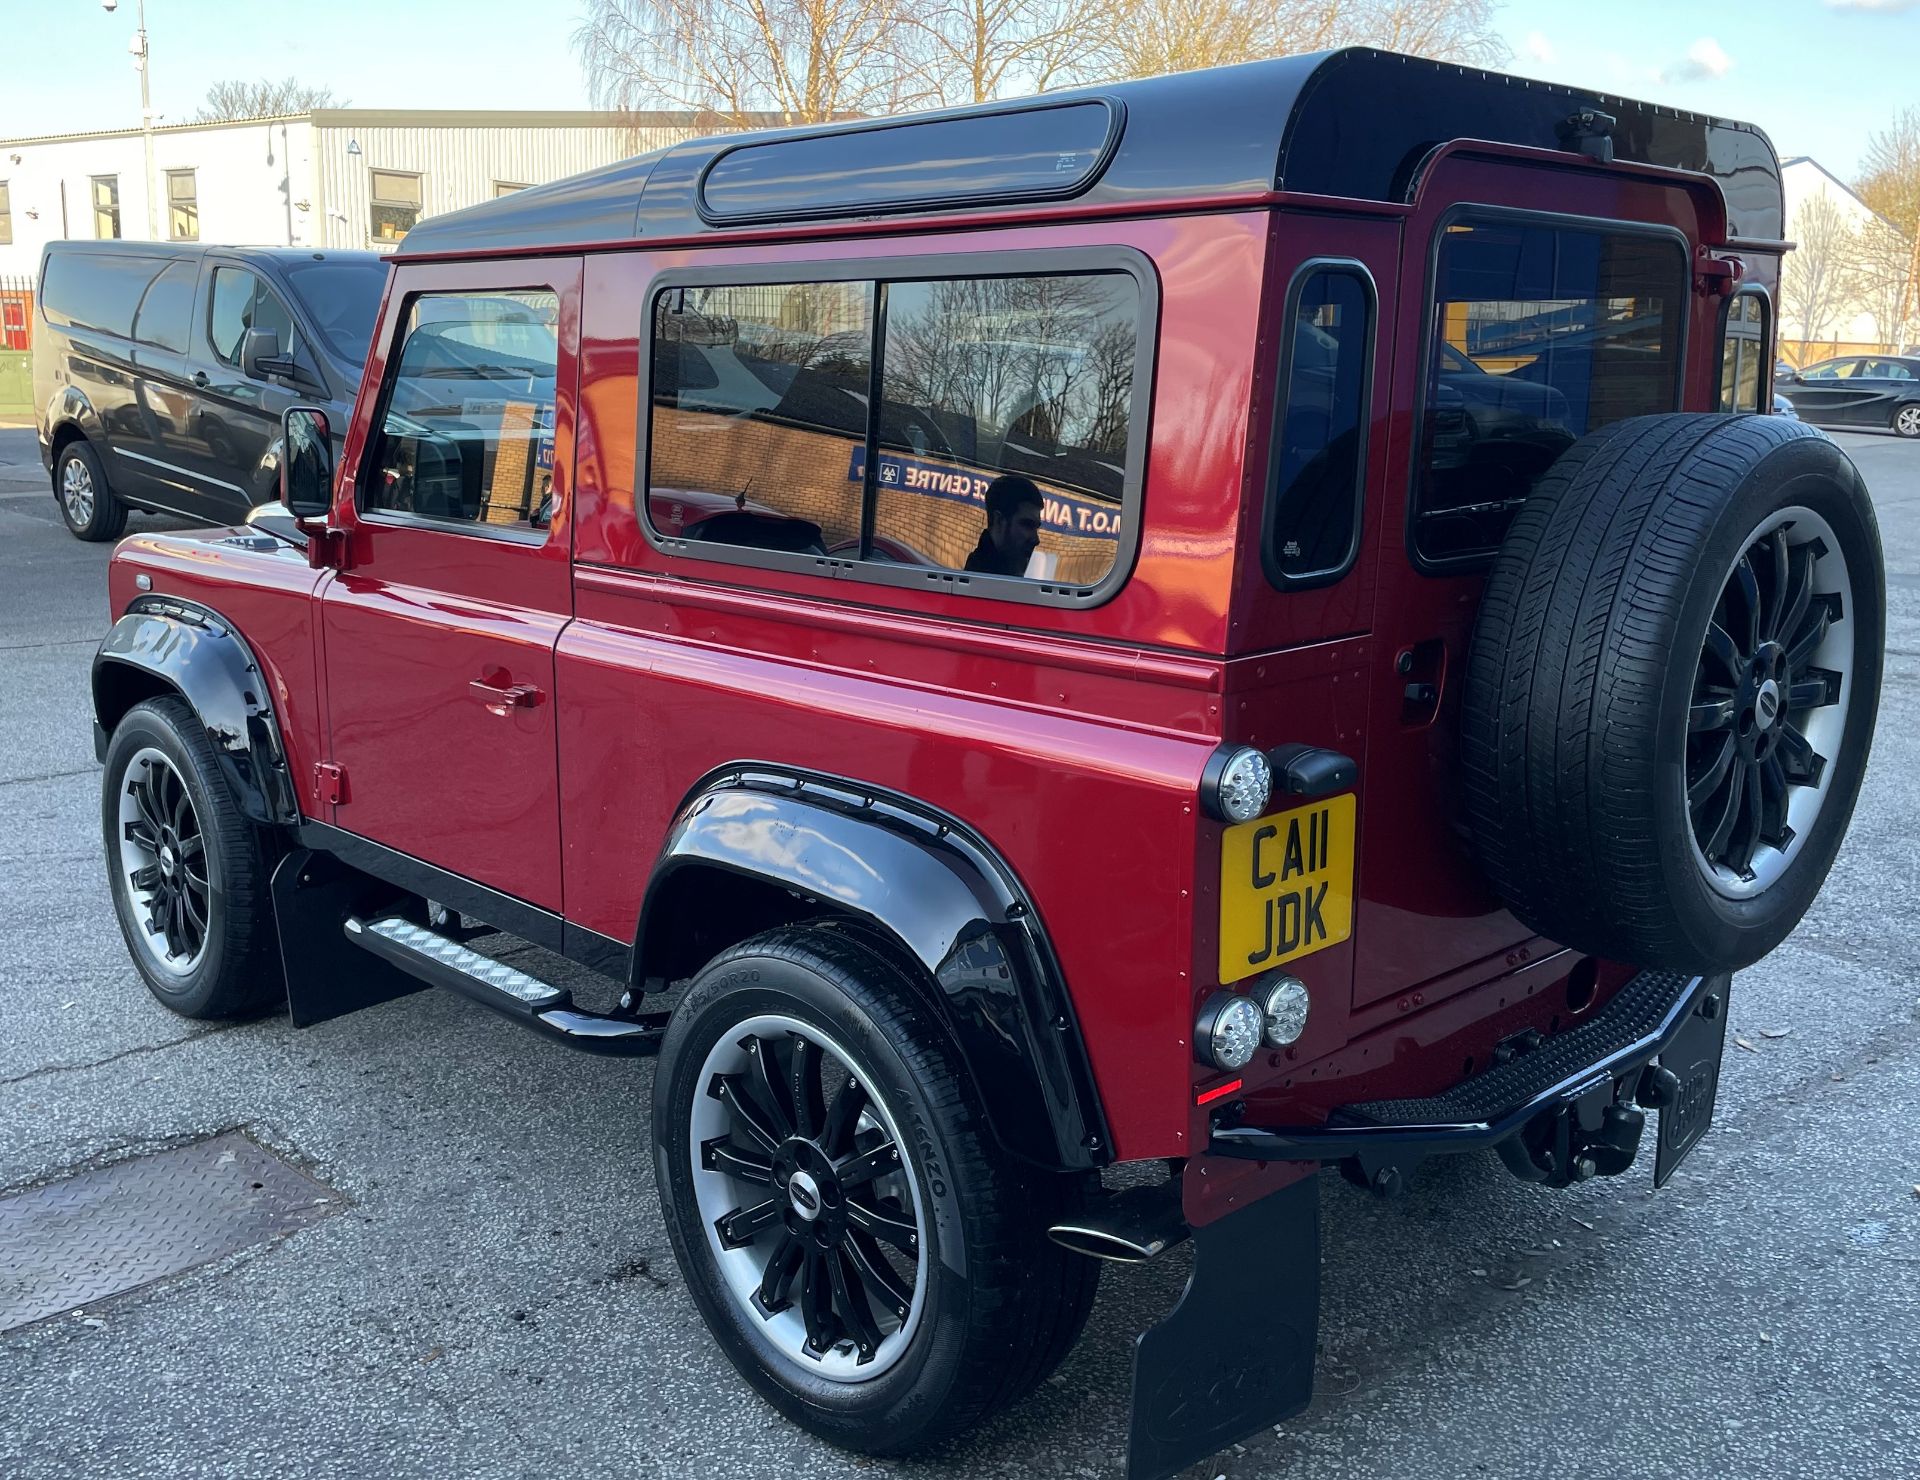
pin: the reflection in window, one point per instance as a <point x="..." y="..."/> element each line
<point x="759" y="417"/>
<point x="106" y="207"/>
<point x="241" y="301"/>
<point x="166" y="308"/>
<point x="1003" y="424"/>
<point x="1742" y="351"/>
<point x="467" y="433"/>
<point x="1540" y="334"/>
<point x="1313" y="516"/>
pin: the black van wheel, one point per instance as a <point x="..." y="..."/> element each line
<point x="862" y="1250"/>
<point x="188" y="871"/>
<point x="87" y="503"/>
<point x="1672" y="686"/>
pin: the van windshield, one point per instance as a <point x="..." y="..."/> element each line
<point x="342" y="298"/>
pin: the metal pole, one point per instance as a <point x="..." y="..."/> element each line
<point x="146" y="130"/>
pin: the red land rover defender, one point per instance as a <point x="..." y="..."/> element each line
<point x="1245" y="621"/>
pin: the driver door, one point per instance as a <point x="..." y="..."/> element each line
<point x="440" y="629"/>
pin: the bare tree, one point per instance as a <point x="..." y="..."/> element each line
<point x="1145" y="37"/>
<point x="1890" y="184"/>
<point x="237" y="98"/>
<point x="1882" y="283"/>
<point x="971" y="51"/>
<point x="1815" y="284"/>
<point x="807" y="61"/>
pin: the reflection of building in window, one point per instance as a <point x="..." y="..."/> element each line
<point x="396" y="204"/>
<point x="1742" y="353"/>
<point x="106" y="207"/>
<point x="183" y="206"/>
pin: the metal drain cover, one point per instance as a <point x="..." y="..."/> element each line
<point x="105" y="1232"/>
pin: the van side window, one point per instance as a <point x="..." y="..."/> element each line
<point x="999" y="438"/>
<point x="1743" y="347"/>
<point x="759" y="420"/>
<point x="96" y="290"/>
<point x="466" y="431"/>
<point x="1320" y="428"/>
<point x="167" y="308"/>
<point x="1003" y="424"/>
<point x="241" y="301"/>
<point x="1540" y="333"/>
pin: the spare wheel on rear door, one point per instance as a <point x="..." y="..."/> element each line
<point x="1672" y="685"/>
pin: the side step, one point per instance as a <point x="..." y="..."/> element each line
<point x="529" y="1001"/>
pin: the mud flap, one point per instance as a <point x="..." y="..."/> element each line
<point x="1236" y="1354"/>
<point x="327" y="977"/>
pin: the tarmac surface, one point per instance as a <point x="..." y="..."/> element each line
<point x="496" y="1296"/>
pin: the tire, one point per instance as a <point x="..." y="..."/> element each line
<point x="1906" y="421"/>
<point x="87" y="502"/>
<point x="1613" y="745"/>
<point x="991" y="1304"/>
<point x="218" y="954"/>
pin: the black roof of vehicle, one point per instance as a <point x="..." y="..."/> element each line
<point x="1355" y="123"/>
<point x="197" y="249"/>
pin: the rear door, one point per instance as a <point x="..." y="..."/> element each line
<point x="1829" y="394"/>
<point x="440" y="631"/>
<point x="1519" y="331"/>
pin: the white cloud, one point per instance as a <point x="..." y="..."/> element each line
<point x="1539" y="49"/>
<point x="1881" y="7"/>
<point x="1705" y="58"/>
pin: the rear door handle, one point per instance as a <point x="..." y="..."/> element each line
<point x="499" y="700"/>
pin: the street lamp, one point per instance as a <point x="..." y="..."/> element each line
<point x="138" y="46"/>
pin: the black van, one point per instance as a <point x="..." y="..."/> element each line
<point x="160" y="370"/>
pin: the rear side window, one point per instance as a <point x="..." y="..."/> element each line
<point x="97" y="290"/>
<point x="1743" y="348"/>
<point x="466" y="433"/>
<point x="166" y="310"/>
<point x="242" y="301"/>
<point x="1320" y="427"/>
<point x="954" y="430"/>
<point x="1540" y="333"/>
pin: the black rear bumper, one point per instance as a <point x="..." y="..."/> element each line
<point x="1643" y="1019"/>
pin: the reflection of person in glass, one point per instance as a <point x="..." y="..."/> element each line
<point x="1015" y="509"/>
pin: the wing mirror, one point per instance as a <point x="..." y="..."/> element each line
<point x="260" y="355"/>
<point x="306" y="459"/>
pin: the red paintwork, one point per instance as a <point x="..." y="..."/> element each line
<point x="1072" y="741"/>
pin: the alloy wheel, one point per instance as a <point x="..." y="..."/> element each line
<point x="76" y="491"/>
<point x="806" y="1190"/>
<point x="163" y="857"/>
<point x="1769" y="702"/>
<point x="1907" y="423"/>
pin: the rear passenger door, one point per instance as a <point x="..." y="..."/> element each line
<point x="440" y="630"/>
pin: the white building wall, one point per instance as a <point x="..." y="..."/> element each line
<point x="250" y="178"/>
<point x="458" y="163"/>
<point x="1801" y="180"/>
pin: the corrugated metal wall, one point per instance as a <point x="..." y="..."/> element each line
<point x="458" y="166"/>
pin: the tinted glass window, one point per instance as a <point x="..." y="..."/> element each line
<point x="1033" y="152"/>
<point x="1539" y="335"/>
<point x="342" y="298"/>
<point x="1313" y="513"/>
<point x="396" y="205"/>
<point x="167" y="308"/>
<point x="241" y="301"/>
<point x="759" y="419"/>
<point x="1741" y="353"/>
<point x="97" y="291"/>
<point x="467" y="431"/>
<point x="1003" y="424"/>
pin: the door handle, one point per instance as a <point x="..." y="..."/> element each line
<point x="200" y="379"/>
<point x="499" y="700"/>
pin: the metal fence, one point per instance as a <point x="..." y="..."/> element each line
<point x="16" y="312"/>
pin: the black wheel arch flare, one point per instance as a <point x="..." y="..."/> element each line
<point x="166" y="644"/>
<point x="752" y="839"/>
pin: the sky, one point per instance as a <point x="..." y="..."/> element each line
<point x="1818" y="75"/>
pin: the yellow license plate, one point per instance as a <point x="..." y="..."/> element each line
<point x="1286" y="886"/>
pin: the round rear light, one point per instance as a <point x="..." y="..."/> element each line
<point x="1227" y="1033"/>
<point x="1283" y="1004"/>
<point x="1237" y="784"/>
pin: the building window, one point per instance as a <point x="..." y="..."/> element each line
<point x="106" y="207"/>
<point x="1540" y="333"/>
<point x="396" y="204"/>
<point x="183" y="206"/>
<point x="6" y="214"/>
<point x="505" y="187"/>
